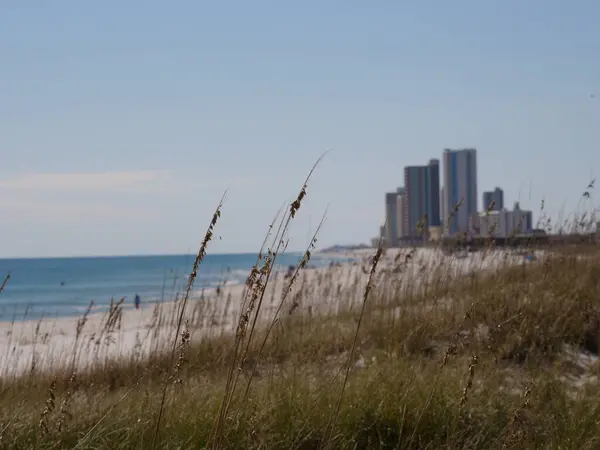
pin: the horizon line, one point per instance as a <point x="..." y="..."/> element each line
<point x="154" y="255"/>
<point x="133" y="255"/>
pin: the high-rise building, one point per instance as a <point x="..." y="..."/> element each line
<point x="496" y="196"/>
<point x="442" y="207"/>
<point x="433" y="211"/>
<point x="460" y="188"/>
<point x="400" y="199"/>
<point x="422" y="198"/>
<point x="391" y="217"/>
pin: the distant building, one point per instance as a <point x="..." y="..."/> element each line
<point x="505" y="223"/>
<point x="443" y="213"/>
<point x="496" y="196"/>
<point x="422" y="198"/>
<point x="460" y="187"/>
<point x="528" y="219"/>
<point x="400" y="200"/>
<point x="475" y="224"/>
<point x="433" y="207"/>
<point x="391" y="225"/>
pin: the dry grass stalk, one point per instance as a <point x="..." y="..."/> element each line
<point x="256" y="294"/>
<point x="64" y="413"/>
<point x="192" y="277"/>
<point x="78" y="333"/>
<point x="305" y="259"/>
<point x="350" y="360"/>
<point x="35" y="342"/>
<point x="256" y="285"/>
<point x="515" y="426"/>
<point x="469" y="384"/>
<point x="49" y="407"/>
<point x="3" y="285"/>
<point x="453" y="213"/>
<point x="181" y="360"/>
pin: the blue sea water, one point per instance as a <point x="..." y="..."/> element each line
<point x="52" y="287"/>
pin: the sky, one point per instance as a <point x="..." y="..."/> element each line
<point x="122" y="123"/>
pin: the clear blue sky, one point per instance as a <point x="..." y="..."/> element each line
<point x="121" y="123"/>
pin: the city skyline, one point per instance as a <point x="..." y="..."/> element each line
<point x="450" y="208"/>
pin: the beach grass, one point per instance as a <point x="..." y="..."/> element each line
<point x="400" y="349"/>
<point x="499" y="359"/>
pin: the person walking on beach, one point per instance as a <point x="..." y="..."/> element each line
<point x="137" y="301"/>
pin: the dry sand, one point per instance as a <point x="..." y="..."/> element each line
<point x="49" y="344"/>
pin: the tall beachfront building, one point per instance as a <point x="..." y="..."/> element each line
<point x="401" y="192"/>
<point x="421" y="198"/>
<point x="443" y="213"/>
<point x="460" y="185"/>
<point x="391" y="216"/>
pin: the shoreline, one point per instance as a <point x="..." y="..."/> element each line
<point x="129" y="333"/>
<point x="16" y="309"/>
<point x="49" y="343"/>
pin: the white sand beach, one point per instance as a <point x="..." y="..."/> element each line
<point x="130" y="333"/>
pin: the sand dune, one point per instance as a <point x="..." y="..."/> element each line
<point x="130" y="333"/>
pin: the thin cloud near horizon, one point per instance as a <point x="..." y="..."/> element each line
<point x="123" y="180"/>
<point x="83" y="180"/>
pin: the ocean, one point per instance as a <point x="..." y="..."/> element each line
<point x="57" y="287"/>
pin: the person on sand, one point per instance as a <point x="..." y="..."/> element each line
<point x="137" y="301"/>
